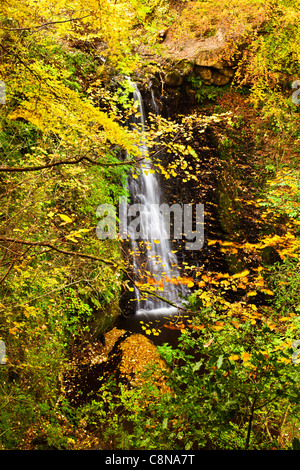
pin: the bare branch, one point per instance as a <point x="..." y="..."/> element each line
<point x="22" y="62"/>
<point x="48" y="293"/>
<point x="13" y="263"/>
<point x="65" y="162"/>
<point x="159" y="297"/>
<point x="44" y="25"/>
<point x="16" y="186"/>
<point x="60" y="250"/>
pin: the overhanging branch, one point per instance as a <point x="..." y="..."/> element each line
<point x="44" y="25"/>
<point x="60" y="250"/>
<point x="16" y="169"/>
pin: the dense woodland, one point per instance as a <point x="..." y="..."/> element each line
<point x="72" y="378"/>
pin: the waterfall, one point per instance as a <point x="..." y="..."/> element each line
<point x="154" y="262"/>
<point x="154" y="105"/>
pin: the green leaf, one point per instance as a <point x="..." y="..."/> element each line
<point x="220" y="361"/>
<point x="197" y="366"/>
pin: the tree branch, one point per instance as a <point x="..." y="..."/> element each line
<point x="51" y="292"/>
<point x="250" y="423"/>
<point x="154" y="294"/>
<point x="65" y="162"/>
<point x="46" y="24"/>
<point x="22" y="62"/>
<point x="59" y="250"/>
<point x="13" y="263"/>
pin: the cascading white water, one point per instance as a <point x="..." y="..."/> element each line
<point x="153" y="260"/>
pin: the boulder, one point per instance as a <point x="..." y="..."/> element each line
<point x="219" y="78"/>
<point x="173" y="78"/>
<point x="270" y="256"/>
<point x="204" y="73"/>
<point x="214" y="76"/>
<point x="185" y="67"/>
<point x="210" y="58"/>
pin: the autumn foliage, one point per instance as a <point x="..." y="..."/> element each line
<point x="232" y="379"/>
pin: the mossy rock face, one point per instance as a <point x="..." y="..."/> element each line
<point x="219" y="79"/>
<point x="185" y="67"/>
<point x="213" y="76"/>
<point x="153" y="85"/>
<point x="211" y="57"/>
<point x="204" y="73"/>
<point x="173" y="78"/>
<point x="270" y="256"/>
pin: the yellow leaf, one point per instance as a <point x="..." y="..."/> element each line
<point x="218" y="326"/>
<point x="286" y="361"/>
<point x="65" y="218"/>
<point x="242" y="274"/>
<point x="72" y="239"/>
<point x="201" y="284"/>
<point x="184" y="165"/>
<point x="267" y="291"/>
<point x="259" y="281"/>
<point x="13" y="331"/>
<point x="234" y="357"/>
<point x="241" y="286"/>
<point x="251" y="293"/>
<point x="212" y="242"/>
<point x="245" y="356"/>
